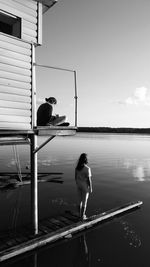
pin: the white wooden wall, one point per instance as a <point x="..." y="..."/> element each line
<point x="15" y="83"/>
<point x="27" y="10"/>
<point x="16" y="66"/>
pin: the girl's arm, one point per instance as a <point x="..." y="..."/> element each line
<point x="90" y="183"/>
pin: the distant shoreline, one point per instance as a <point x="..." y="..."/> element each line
<point x="114" y="130"/>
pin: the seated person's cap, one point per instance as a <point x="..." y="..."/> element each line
<point x="51" y="100"/>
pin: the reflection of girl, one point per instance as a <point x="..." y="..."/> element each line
<point x="84" y="184"/>
<point x="82" y="255"/>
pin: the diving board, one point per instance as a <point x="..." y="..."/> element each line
<point x="54" y="229"/>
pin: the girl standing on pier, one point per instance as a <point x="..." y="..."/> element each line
<point x="83" y="182"/>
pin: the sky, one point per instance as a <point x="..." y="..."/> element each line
<point x="107" y="42"/>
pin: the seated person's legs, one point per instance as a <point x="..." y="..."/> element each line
<point x="56" y="120"/>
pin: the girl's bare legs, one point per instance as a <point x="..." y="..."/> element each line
<point x="80" y="201"/>
<point x="85" y="196"/>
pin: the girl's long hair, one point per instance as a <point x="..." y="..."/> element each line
<point x="82" y="160"/>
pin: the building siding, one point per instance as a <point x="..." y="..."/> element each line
<point x="27" y="10"/>
<point x="15" y="83"/>
<point x="17" y="90"/>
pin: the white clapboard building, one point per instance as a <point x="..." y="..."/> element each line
<point x="20" y="33"/>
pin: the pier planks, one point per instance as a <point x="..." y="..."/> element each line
<point x="53" y="229"/>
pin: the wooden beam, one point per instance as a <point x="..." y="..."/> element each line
<point x="43" y="144"/>
<point x="12" y="132"/>
<point x="14" y="141"/>
<point x="55" y="130"/>
<point x="41" y="131"/>
<point x="46" y="4"/>
<point x="40" y="241"/>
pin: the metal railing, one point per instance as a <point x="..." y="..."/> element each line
<point x="75" y="85"/>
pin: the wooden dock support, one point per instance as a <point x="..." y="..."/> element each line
<point x="73" y="225"/>
<point x="43" y="144"/>
<point x="34" y="185"/>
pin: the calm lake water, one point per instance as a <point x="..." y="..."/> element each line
<point x="120" y="173"/>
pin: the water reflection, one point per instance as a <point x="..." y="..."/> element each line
<point x="130" y="235"/>
<point x="111" y="157"/>
<point x="82" y="253"/>
<point x="139" y="173"/>
<point x="140" y="169"/>
<point x="35" y="260"/>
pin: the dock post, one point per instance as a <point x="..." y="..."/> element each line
<point x="76" y="98"/>
<point x="33" y="156"/>
<point x="34" y="185"/>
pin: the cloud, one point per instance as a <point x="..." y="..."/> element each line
<point x="141" y="96"/>
<point x="141" y="93"/>
<point x="130" y="101"/>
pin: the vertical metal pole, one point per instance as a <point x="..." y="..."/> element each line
<point x="34" y="115"/>
<point x="34" y="185"/>
<point x="76" y="99"/>
<point x="33" y="157"/>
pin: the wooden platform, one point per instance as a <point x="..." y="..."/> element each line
<point x="55" y="130"/>
<point x="11" y="132"/>
<point x="40" y="130"/>
<point x="53" y="229"/>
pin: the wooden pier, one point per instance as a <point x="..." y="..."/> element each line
<point x="53" y="229"/>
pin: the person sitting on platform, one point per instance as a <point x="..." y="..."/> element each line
<point x="45" y="117"/>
